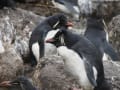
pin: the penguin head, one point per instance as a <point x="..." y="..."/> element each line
<point x="26" y="84"/>
<point x="95" y="23"/>
<point x="55" y="37"/>
<point x="58" y="20"/>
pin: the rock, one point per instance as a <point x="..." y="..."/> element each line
<point x="50" y="75"/>
<point x="112" y="73"/>
<point x="15" y="29"/>
<point x="10" y="64"/>
<point x="6" y="29"/>
<point x="17" y="87"/>
<point x="114" y="33"/>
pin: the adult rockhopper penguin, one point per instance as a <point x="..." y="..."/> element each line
<point x="36" y="42"/>
<point x="80" y="48"/>
<point x="96" y="33"/>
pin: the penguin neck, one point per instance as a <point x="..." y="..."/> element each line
<point x="69" y="38"/>
<point x="95" y="27"/>
<point x="96" y="24"/>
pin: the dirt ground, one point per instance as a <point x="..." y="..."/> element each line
<point x="112" y="71"/>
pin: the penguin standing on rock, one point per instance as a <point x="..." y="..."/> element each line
<point x="36" y="42"/>
<point x="81" y="57"/>
<point x="99" y="37"/>
<point x="7" y="3"/>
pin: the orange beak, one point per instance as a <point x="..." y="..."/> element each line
<point x="69" y="24"/>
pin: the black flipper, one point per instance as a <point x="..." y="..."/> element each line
<point x="33" y="60"/>
<point x="108" y="49"/>
<point x="90" y="73"/>
<point x="42" y="45"/>
<point x="42" y="49"/>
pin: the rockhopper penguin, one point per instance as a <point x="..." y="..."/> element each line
<point x="96" y="33"/>
<point x="36" y="42"/>
<point x="89" y="58"/>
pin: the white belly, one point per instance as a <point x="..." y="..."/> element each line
<point x="77" y="69"/>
